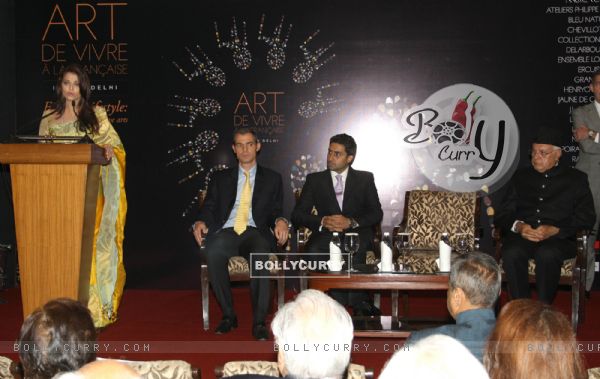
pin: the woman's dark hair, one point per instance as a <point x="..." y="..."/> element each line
<point x="56" y="338"/>
<point x="88" y="122"/>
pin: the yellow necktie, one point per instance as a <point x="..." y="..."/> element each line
<point x="241" y="218"/>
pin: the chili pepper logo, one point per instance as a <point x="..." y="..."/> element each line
<point x="455" y="131"/>
<point x="460" y="114"/>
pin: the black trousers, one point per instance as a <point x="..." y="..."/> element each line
<point x="548" y="255"/>
<point x="226" y="244"/>
<point x="317" y="249"/>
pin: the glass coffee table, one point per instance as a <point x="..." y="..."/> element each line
<point x="384" y="326"/>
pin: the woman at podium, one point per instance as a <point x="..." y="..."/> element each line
<point x="74" y="115"/>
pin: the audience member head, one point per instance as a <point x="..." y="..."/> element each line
<point x="55" y="338"/>
<point x="532" y="340"/>
<point x="102" y="369"/>
<point x="313" y="319"/>
<point x="474" y="283"/>
<point x="436" y="356"/>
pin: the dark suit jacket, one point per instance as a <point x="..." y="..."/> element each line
<point x="267" y="200"/>
<point x="560" y="197"/>
<point x="361" y="202"/>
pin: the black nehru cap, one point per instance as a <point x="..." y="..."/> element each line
<point x="549" y="135"/>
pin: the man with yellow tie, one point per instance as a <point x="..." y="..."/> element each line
<point x="242" y="214"/>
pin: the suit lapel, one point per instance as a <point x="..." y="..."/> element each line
<point x="331" y="191"/>
<point x="350" y="180"/>
<point x="231" y="188"/>
<point x="259" y="183"/>
<point x="594" y="117"/>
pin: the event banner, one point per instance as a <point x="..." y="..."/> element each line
<point x="438" y="95"/>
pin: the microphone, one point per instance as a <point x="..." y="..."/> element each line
<point x="34" y="121"/>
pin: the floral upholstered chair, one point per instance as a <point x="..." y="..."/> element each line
<point x="428" y="214"/>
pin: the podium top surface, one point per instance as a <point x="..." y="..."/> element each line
<point x="51" y="153"/>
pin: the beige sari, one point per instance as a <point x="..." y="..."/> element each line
<point x="107" y="277"/>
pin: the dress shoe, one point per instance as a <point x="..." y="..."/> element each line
<point x="226" y="325"/>
<point x="366" y="309"/>
<point x="259" y="331"/>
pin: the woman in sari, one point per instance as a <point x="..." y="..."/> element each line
<point x="74" y="115"/>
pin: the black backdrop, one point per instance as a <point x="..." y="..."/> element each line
<point x="404" y="50"/>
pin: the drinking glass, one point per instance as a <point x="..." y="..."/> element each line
<point x="402" y="245"/>
<point x="462" y="243"/>
<point x="351" y="244"/>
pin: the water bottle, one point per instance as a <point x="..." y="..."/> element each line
<point x="387" y="240"/>
<point x="335" y="253"/>
<point x="387" y="262"/>
<point x="445" y="238"/>
<point x="443" y="261"/>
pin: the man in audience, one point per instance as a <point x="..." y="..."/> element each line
<point x="434" y="357"/>
<point x="56" y="338"/>
<point x="242" y="205"/>
<point x="586" y="128"/>
<point x="346" y="200"/>
<point x="543" y="208"/>
<point x="473" y="290"/>
<point x="313" y="319"/>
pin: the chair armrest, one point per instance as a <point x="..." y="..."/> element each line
<point x="202" y="253"/>
<point x="582" y="241"/>
<point x="400" y="228"/>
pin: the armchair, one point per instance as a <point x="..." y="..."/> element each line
<point x="572" y="273"/>
<point x="239" y="271"/>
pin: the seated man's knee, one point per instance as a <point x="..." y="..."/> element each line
<point x="549" y="255"/>
<point x="512" y="254"/>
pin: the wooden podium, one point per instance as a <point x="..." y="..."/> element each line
<point x="55" y="189"/>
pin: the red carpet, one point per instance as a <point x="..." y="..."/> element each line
<point x="157" y="324"/>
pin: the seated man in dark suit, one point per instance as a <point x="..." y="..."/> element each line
<point x="473" y="289"/>
<point x="346" y="200"/>
<point x="543" y="208"/>
<point x="242" y="204"/>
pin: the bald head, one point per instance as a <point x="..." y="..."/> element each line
<point x="107" y="369"/>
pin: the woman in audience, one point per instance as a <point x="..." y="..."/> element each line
<point x="532" y="340"/>
<point x="59" y="337"/>
<point x="74" y="115"/>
